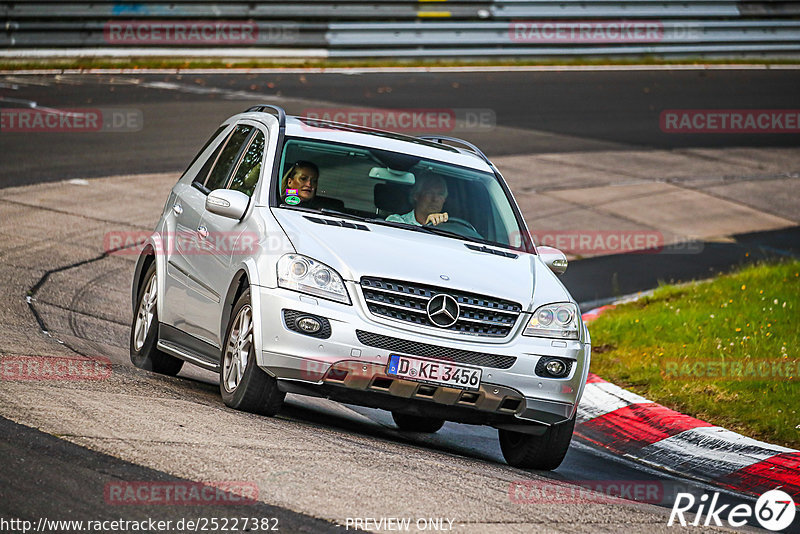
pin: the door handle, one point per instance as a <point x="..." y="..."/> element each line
<point x="177" y="209"/>
<point x="202" y="231"/>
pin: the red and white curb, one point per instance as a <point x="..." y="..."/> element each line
<point x="632" y="426"/>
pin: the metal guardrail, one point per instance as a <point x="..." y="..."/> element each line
<point x="402" y="28"/>
<point x="493" y="33"/>
<point x="465" y="35"/>
<point x="394" y="9"/>
<point x="293" y="10"/>
<point x="29" y="34"/>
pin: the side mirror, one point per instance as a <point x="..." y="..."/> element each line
<point x="228" y="203"/>
<point x="553" y="258"/>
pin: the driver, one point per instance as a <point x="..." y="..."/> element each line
<point x="427" y="196"/>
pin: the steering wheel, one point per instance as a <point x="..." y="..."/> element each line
<point x="463" y="224"/>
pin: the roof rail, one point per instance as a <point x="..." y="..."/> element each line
<point x="269" y="107"/>
<point x="441" y="138"/>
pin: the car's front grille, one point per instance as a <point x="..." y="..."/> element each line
<point x="414" y="348"/>
<point x="408" y="301"/>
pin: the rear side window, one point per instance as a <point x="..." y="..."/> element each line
<point x="227" y="158"/>
<point x="205" y="146"/>
<point x="246" y="176"/>
<point x="209" y="164"/>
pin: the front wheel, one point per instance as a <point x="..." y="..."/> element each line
<point x="545" y="452"/>
<point x="243" y="384"/>
<point x="416" y="423"/>
<point x="144" y="331"/>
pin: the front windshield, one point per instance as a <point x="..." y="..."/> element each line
<point x="397" y="189"/>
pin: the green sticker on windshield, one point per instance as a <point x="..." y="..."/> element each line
<point x="292" y="201"/>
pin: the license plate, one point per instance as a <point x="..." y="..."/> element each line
<point x="434" y="372"/>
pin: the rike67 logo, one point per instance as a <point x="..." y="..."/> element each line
<point x="774" y="510"/>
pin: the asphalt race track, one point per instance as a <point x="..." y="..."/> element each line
<point x="536" y="112"/>
<point x="318" y="462"/>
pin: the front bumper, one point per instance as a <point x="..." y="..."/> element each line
<point x="343" y="368"/>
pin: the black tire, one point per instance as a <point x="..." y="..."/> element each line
<point x="545" y="452"/>
<point x="416" y="423"/>
<point x="256" y="391"/>
<point x="147" y="356"/>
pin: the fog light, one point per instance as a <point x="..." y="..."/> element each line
<point x="309" y="325"/>
<point x="555" y="367"/>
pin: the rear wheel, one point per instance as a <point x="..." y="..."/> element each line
<point x="545" y="452"/>
<point x="416" y="423"/>
<point x="243" y="384"/>
<point x="144" y="331"/>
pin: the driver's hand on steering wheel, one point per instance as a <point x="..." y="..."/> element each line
<point x="436" y="218"/>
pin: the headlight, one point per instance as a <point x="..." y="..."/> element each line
<point x="305" y="275"/>
<point x="554" y="320"/>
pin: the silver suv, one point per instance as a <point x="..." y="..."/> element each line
<point x="378" y="269"/>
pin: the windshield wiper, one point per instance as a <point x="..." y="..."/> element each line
<point x="299" y="208"/>
<point x="395" y="224"/>
<point x="325" y="211"/>
<point x="447" y="233"/>
<point x="428" y="229"/>
<point x="345" y="215"/>
<point x="424" y="229"/>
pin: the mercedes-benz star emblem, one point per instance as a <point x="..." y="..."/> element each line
<point x="443" y="310"/>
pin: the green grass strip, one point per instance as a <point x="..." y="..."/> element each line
<point x="725" y="350"/>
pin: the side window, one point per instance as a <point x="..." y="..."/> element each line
<point x="203" y="174"/>
<point x="227" y="158"/>
<point x="205" y="146"/>
<point x="246" y="175"/>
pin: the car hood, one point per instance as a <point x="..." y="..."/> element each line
<point x="400" y="254"/>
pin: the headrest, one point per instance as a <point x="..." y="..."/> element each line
<point x="392" y="198"/>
